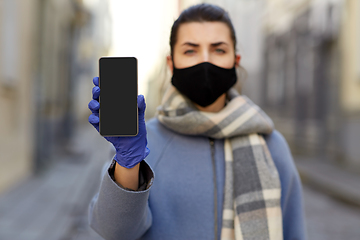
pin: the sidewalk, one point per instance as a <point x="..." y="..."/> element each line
<point x="53" y="206"/>
<point x="330" y="179"/>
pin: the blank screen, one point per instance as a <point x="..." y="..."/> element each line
<point x="118" y="96"/>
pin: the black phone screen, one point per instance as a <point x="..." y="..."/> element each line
<point x="118" y="96"/>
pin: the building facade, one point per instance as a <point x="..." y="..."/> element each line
<point x="47" y="47"/>
<point x="310" y="81"/>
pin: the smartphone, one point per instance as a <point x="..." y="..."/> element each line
<point x="118" y="82"/>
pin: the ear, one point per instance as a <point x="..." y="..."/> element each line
<point x="169" y="62"/>
<point x="237" y="60"/>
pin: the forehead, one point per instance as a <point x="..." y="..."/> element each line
<point x="203" y="33"/>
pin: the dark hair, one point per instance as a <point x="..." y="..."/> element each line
<point x="203" y="12"/>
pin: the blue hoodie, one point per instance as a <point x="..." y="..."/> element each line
<point x="179" y="203"/>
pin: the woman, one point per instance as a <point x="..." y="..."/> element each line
<point x="222" y="170"/>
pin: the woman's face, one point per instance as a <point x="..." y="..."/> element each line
<point x="199" y="42"/>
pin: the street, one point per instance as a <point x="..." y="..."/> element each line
<point x="328" y="219"/>
<point x="53" y="206"/>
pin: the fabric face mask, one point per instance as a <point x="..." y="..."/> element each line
<point x="203" y="83"/>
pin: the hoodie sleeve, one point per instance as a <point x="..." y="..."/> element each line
<point x="116" y="212"/>
<point x="292" y="203"/>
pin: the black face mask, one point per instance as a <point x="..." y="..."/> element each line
<point x="204" y="82"/>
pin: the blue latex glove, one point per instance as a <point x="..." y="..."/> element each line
<point x="129" y="150"/>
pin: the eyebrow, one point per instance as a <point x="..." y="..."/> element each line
<point x="218" y="43"/>
<point x="196" y="45"/>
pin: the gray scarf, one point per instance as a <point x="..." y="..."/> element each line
<point x="252" y="186"/>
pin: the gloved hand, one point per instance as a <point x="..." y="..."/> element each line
<point x="129" y="150"/>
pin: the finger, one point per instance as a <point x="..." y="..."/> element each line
<point x="96" y="92"/>
<point x="94" y="120"/>
<point x="94" y="106"/>
<point x="141" y="103"/>
<point x="96" y="81"/>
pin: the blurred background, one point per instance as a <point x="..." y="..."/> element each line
<point x="302" y="59"/>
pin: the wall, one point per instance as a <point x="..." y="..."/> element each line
<point x="17" y="50"/>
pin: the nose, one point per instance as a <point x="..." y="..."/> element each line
<point x="205" y="56"/>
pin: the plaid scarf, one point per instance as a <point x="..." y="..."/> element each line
<point x="252" y="189"/>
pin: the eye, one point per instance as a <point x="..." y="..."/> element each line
<point x="189" y="51"/>
<point x="219" y="50"/>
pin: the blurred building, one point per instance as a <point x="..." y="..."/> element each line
<point x="311" y="76"/>
<point x="46" y="47"/>
<point x="17" y="38"/>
